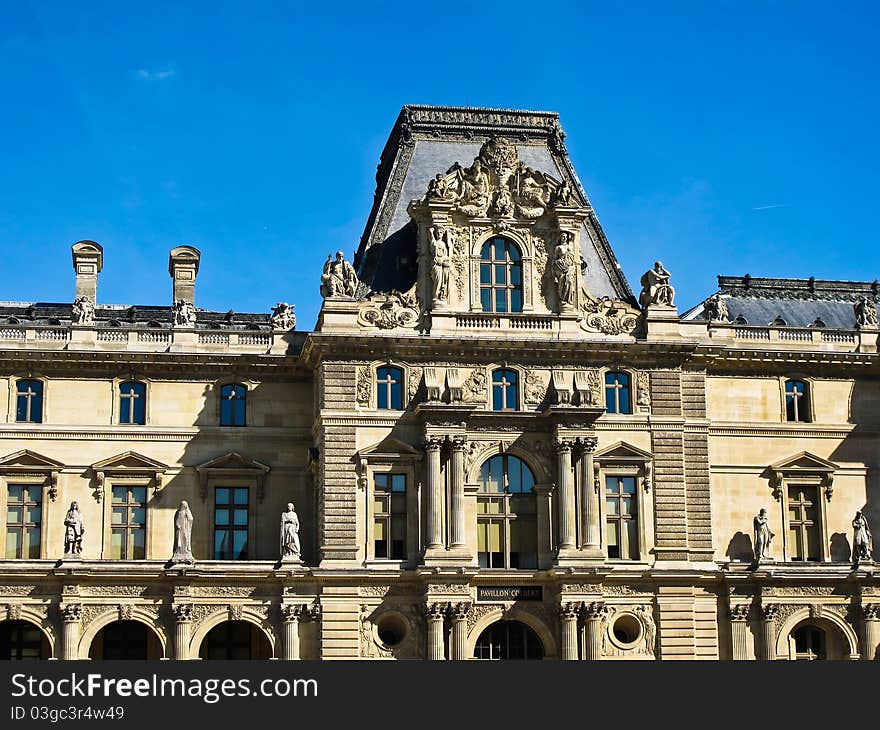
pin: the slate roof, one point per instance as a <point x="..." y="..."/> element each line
<point x="130" y="316"/>
<point x="798" y="302"/>
<point x="427" y="140"/>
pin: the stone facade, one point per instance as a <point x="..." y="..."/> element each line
<point x="491" y="444"/>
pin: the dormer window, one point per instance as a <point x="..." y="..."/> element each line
<point x="501" y="287"/>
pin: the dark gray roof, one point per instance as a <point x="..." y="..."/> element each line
<point x="427" y="140"/>
<point x="798" y="302"/>
<point x="51" y="313"/>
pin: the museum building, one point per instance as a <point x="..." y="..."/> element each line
<point x="488" y="447"/>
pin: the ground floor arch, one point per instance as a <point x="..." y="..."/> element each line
<point x="508" y="639"/>
<point x="235" y="640"/>
<point x="21" y="639"/>
<point x="815" y="639"/>
<point x="126" y="640"/>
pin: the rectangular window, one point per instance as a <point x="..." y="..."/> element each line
<point x="128" y="522"/>
<point x="621" y="513"/>
<point x="24" y="516"/>
<point x="29" y="401"/>
<point x="804" y="529"/>
<point x="389" y="516"/>
<point x="617" y="393"/>
<point x="231" y="523"/>
<point x="133" y="403"/>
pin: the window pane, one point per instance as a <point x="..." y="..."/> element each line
<point x="138" y="539"/>
<point x="13" y="515"/>
<point x="33" y="542"/>
<point x="139" y="494"/>
<point x="16" y="492"/>
<point x="221" y="517"/>
<point x="238" y="415"/>
<point x="500" y="300"/>
<point x="632" y="540"/>
<point x="513" y="252"/>
<point x="140" y="411"/>
<point x="241" y="517"/>
<point x="398" y="482"/>
<point x="610" y="403"/>
<point x="627" y="506"/>
<point x="225" y="413"/>
<point x="118" y="516"/>
<point x="516" y="275"/>
<point x="119" y="495"/>
<point x="516" y="300"/>
<point x="117" y="537"/>
<point x="13" y="543"/>
<point x="381" y="481"/>
<point x="629" y="485"/>
<point x="221" y="545"/>
<point x="794" y="539"/>
<point x="138" y="516"/>
<point x="221" y="495"/>
<point x="500" y="247"/>
<point x="382" y="395"/>
<point x="34" y="514"/>
<point x="239" y="546"/>
<point x="613" y="537"/>
<point x="241" y="495"/>
<point x="814" y="551"/>
<point x="486" y="251"/>
<point x="611" y="506"/>
<point x="486" y="300"/>
<point x="124" y="410"/>
<point x="495" y="537"/>
<point x="500" y="274"/>
<point x="396" y="396"/>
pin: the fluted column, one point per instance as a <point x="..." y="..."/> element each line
<point x="565" y="494"/>
<point x="435" y="613"/>
<point x="71" y="613"/>
<point x="458" y="531"/>
<point x="290" y="616"/>
<point x="568" y="617"/>
<point x="594" y="615"/>
<point x="871" y="616"/>
<point x="768" y="632"/>
<point x="182" y="629"/>
<point x="459" y="613"/>
<point x="590" y="497"/>
<point x="739" y="631"/>
<point x="434" y="495"/>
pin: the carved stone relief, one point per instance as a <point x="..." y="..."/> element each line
<point x="389" y="310"/>
<point x="535" y="387"/>
<point x="364" y="387"/>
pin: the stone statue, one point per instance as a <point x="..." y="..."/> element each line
<point x="861" y="538"/>
<point x="503" y="205"/>
<point x="441" y="263"/>
<point x="73" y="531"/>
<point x="83" y="311"/>
<point x="184" y="313"/>
<point x="763" y="536"/>
<point x="183" y="522"/>
<point x="715" y="309"/>
<point x="656" y="288"/>
<point x="283" y="317"/>
<point x="438" y="189"/>
<point x="289" y="534"/>
<point x="565" y="269"/>
<point x="473" y="188"/>
<point x="564" y="195"/>
<point x="866" y="313"/>
<point x="339" y="278"/>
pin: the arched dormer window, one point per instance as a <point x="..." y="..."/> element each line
<point x="507" y="526"/>
<point x="505" y="390"/>
<point x="501" y="279"/>
<point x="132" y="403"/>
<point x="797" y="401"/>
<point x="618" y="396"/>
<point x="389" y="389"/>
<point x="29" y="401"/>
<point x="233" y="399"/>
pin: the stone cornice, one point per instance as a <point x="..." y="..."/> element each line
<point x="143" y="433"/>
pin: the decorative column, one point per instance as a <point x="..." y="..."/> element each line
<point x="565" y="490"/>
<point x="458" y="531"/>
<point x="871" y="616"/>
<point x="591" y="488"/>
<point x="71" y="613"/>
<point x="568" y="617"/>
<point x="182" y="629"/>
<point x="459" y="614"/>
<point x="768" y="631"/>
<point x="435" y="612"/>
<point x="434" y="495"/>
<point x="594" y="615"/>
<point x="290" y="616"/>
<point x="739" y="631"/>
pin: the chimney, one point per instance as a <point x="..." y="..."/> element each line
<point x="88" y="260"/>
<point x="183" y="265"/>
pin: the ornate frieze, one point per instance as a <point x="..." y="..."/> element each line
<point x="389" y="310"/>
<point x="608" y="316"/>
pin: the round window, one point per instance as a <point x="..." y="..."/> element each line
<point x="392" y="629"/>
<point x="626" y="630"/>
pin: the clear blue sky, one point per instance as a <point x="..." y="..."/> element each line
<point x="720" y="137"/>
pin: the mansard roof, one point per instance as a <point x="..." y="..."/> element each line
<point x="427" y="140"/>
<point x="791" y="302"/>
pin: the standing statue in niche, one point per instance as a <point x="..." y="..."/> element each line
<point x="290" y="549"/>
<point x="339" y="278"/>
<point x="656" y="288"/>
<point x="83" y="311"/>
<point x="183" y="522"/>
<point x="763" y="536"/>
<point x="565" y="269"/>
<point x="73" y="531"/>
<point x="866" y="313"/>
<point x="861" y="538"/>
<point x="441" y="247"/>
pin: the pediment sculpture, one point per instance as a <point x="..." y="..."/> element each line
<point x="389" y="310"/>
<point x="499" y="184"/>
<point x="338" y="278"/>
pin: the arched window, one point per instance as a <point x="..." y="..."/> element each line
<point x="809" y="643"/>
<point x="132" y="403"/>
<point x="389" y="389"/>
<point x="235" y="640"/>
<point x="504" y="390"/>
<point x="131" y="640"/>
<point x="507" y="526"/>
<point x="797" y="401"/>
<point x="501" y="288"/>
<point x="233" y="399"/>
<point x="508" y="640"/>
<point x="29" y="401"/>
<point x="617" y="393"/>
<point x="22" y="640"/>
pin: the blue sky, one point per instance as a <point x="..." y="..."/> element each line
<point x="720" y="137"/>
